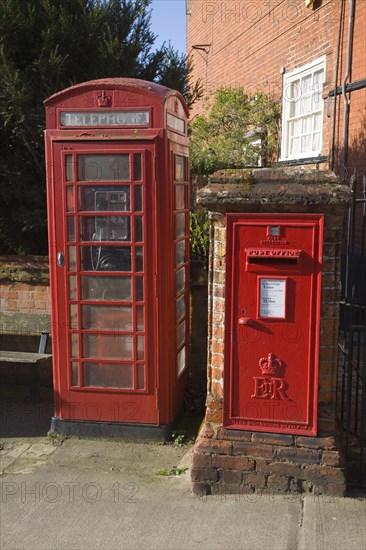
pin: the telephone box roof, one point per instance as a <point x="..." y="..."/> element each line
<point x="133" y="85"/>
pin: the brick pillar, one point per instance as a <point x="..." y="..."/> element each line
<point x="241" y="461"/>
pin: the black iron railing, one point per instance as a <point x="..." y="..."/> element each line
<point x="351" y="385"/>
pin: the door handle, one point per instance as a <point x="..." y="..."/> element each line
<point x="60" y="259"/>
<point x="245" y="321"/>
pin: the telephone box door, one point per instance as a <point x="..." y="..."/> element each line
<point x="103" y="275"/>
<point x="272" y="296"/>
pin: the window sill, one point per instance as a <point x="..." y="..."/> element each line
<point x="299" y="161"/>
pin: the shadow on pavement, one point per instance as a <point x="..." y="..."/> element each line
<point x="19" y="417"/>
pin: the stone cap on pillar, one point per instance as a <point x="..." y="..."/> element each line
<point x="274" y="190"/>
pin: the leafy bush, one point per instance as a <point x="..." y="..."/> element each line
<point x="234" y="132"/>
<point x="199" y="226"/>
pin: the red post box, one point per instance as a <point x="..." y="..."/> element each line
<point x="118" y="203"/>
<point x="272" y="322"/>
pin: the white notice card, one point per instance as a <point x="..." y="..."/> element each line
<point x="272" y="298"/>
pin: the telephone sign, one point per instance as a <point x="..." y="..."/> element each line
<point x="272" y="322"/>
<point x="118" y="207"/>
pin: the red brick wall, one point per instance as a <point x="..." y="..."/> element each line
<point x="250" y="41"/>
<point x="24" y="285"/>
<point x="24" y="297"/>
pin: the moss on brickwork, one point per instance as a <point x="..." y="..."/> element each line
<point x="274" y="189"/>
<point x="27" y="269"/>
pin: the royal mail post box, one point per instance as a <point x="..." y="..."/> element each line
<point x="118" y="205"/>
<point x="272" y="320"/>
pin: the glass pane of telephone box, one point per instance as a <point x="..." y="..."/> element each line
<point x="181" y="334"/>
<point x="68" y="168"/>
<point x="139" y="296"/>
<point x="104" y="375"/>
<point x="70" y="207"/>
<point x="180" y="202"/>
<point x="138" y="198"/>
<point x="137" y="167"/>
<point x="180" y="280"/>
<point x="180" y="225"/>
<point x="74" y="344"/>
<point x="104" y="167"/>
<point x="70" y="228"/>
<point x="180" y="168"/>
<point x="104" y="228"/>
<point x="116" y="346"/>
<point x="140" y="317"/>
<point x="107" y="198"/>
<point x="104" y="317"/>
<point x="140" y="347"/>
<point x="139" y="259"/>
<point x="181" y="360"/>
<point x="74" y="316"/>
<point x="140" y="376"/>
<point x="180" y="307"/>
<point x="138" y="229"/>
<point x="72" y="287"/>
<point x="74" y="374"/>
<point x="180" y="252"/>
<point x="105" y="258"/>
<point x="106" y="288"/>
<point x="72" y="258"/>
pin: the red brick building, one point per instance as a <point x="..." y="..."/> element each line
<point x="302" y="51"/>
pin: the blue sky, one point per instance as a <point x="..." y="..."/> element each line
<point x="168" y="20"/>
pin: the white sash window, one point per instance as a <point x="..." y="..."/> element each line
<point x="302" y="108"/>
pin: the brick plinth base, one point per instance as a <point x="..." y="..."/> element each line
<point x="239" y="462"/>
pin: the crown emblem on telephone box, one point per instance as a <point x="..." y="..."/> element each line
<point x="104" y="100"/>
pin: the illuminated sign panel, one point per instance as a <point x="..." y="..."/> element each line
<point x="104" y="118"/>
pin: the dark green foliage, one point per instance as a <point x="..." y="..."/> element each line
<point x="46" y="46"/>
<point x="199" y="226"/>
<point x="224" y="137"/>
<point x="174" y="72"/>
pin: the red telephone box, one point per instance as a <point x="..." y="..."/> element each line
<point x="272" y="322"/>
<point x="118" y="204"/>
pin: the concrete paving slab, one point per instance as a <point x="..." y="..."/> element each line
<point x="32" y="458"/>
<point x="333" y="523"/>
<point x="76" y="510"/>
<point x="9" y="453"/>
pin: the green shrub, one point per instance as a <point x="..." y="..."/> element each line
<point x="199" y="226"/>
<point x="235" y="131"/>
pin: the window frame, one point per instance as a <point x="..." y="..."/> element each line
<point x="299" y="73"/>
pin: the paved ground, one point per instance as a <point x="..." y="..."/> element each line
<point x="103" y="494"/>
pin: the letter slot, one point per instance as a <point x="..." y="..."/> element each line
<point x="264" y="260"/>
